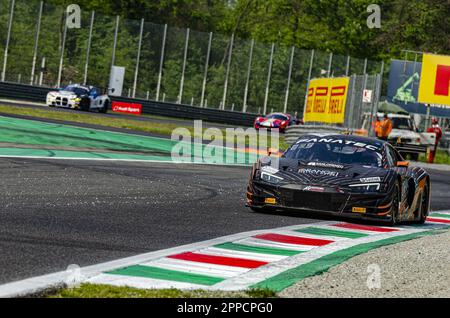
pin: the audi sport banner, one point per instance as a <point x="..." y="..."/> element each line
<point x="435" y="80"/>
<point x="326" y="101"/>
<point x="127" y="108"/>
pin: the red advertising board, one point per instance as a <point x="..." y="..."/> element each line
<point x="127" y="108"/>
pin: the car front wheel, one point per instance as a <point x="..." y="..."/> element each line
<point x="395" y="206"/>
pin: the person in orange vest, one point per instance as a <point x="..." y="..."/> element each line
<point x="378" y="127"/>
<point x="385" y="128"/>
<point x="438" y="131"/>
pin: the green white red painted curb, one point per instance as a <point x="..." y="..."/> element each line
<point x="271" y="259"/>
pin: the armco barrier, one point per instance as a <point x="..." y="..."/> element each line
<point x="38" y="94"/>
<point x="294" y="132"/>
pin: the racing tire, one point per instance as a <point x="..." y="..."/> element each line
<point x="85" y="104"/>
<point x="105" y="107"/>
<point x="424" y="207"/>
<point x="395" y="205"/>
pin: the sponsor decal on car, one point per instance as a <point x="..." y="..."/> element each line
<point x="325" y="165"/>
<point x="314" y="189"/>
<point x="359" y="210"/>
<point x="127" y="108"/>
<point x="371" y="179"/>
<point x="318" y="172"/>
<point x="338" y="141"/>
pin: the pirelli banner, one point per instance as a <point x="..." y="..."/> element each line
<point x="326" y="100"/>
<point x="435" y="80"/>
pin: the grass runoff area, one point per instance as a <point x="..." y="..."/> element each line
<point x="160" y="128"/>
<point x="106" y="291"/>
<point x="442" y="157"/>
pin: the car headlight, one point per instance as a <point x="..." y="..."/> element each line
<point x="366" y="187"/>
<point x="77" y="99"/>
<point x="270" y="178"/>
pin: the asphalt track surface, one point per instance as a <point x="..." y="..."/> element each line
<point x="60" y="212"/>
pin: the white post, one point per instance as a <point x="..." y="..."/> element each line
<point x="183" y="70"/>
<point x="225" y="89"/>
<point x="41" y="75"/>
<point x="63" y="48"/>
<point x="330" y="62"/>
<point x="309" y="79"/>
<point x="138" y="58"/>
<point x="249" y="70"/>
<point x="286" y="99"/>
<point x="116" y="35"/>
<point x="269" y="77"/>
<point x="8" y="39"/>
<point x="347" y="67"/>
<point x="161" y="63"/>
<point x="88" y="50"/>
<point x="36" y="43"/>
<point x="205" y="77"/>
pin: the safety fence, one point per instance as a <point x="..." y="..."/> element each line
<point x="162" y="63"/>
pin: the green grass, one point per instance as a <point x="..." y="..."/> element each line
<point x="162" y="128"/>
<point x="106" y="291"/>
<point x="441" y="157"/>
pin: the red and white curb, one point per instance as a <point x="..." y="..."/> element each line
<point x="235" y="262"/>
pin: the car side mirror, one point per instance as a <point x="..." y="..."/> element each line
<point x="403" y="164"/>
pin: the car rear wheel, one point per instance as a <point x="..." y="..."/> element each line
<point x="104" y="109"/>
<point x="423" y="207"/>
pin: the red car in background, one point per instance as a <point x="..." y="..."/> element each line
<point x="276" y="121"/>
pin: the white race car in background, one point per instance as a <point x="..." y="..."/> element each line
<point x="81" y="97"/>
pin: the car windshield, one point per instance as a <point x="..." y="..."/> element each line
<point x="334" y="152"/>
<point x="277" y="116"/>
<point x="77" y="90"/>
<point x="402" y="123"/>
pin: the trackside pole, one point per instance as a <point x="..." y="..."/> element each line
<point x="183" y="70"/>
<point x="88" y="50"/>
<point x="36" y="42"/>
<point x="347" y="66"/>
<point x="116" y="35"/>
<point x="205" y="77"/>
<point x="352" y="101"/>
<point x="249" y="71"/>
<point x="138" y="58"/>
<point x="309" y="79"/>
<point x="286" y="99"/>
<point x="269" y="77"/>
<point x="225" y="88"/>
<point x="161" y="63"/>
<point x="63" y="48"/>
<point x="330" y="62"/>
<point x="8" y="39"/>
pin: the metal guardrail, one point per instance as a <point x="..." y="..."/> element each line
<point x="38" y="94"/>
<point x="294" y="132"/>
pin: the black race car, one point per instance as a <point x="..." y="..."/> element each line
<point x="341" y="175"/>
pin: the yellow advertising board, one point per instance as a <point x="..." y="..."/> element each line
<point x="326" y="100"/>
<point x="434" y="85"/>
